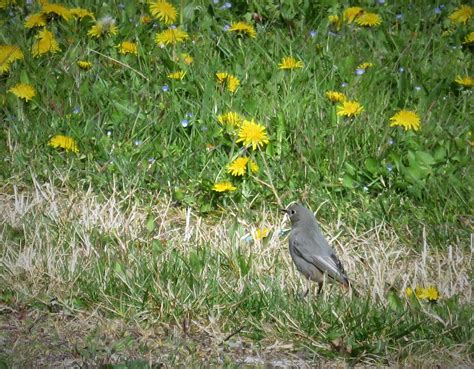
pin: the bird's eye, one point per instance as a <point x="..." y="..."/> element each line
<point x="293" y="212"/>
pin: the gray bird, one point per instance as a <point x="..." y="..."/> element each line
<point x="310" y="251"/>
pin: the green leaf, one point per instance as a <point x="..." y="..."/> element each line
<point x="394" y="302"/>
<point x="347" y="181"/>
<point x="372" y="165"/>
<point x="424" y="158"/>
<point x="150" y="224"/>
<point x="440" y="154"/>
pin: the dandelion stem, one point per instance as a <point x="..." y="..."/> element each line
<point x="119" y="62"/>
<point x="269" y="185"/>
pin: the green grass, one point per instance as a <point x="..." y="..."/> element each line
<point x="359" y="173"/>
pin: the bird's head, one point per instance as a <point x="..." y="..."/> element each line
<point x="298" y="214"/>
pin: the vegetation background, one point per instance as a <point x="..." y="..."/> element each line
<point x="117" y="248"/>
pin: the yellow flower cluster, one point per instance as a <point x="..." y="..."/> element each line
<point x="128" y="47"/>
<point x="239" y="166"/>
<point x="406" y="119"/>
<point x="23" y="91"/>
<point x="45" y="43"/>
<point x="357" y="15"/>
<point x="64" y="142"/>
<point x="179" y="75"/>
<point x="243" y="28"/>
<point x="290" y="63"/>
<point x="170" y="36"/>
<point x="231" y="82"/>
<point x="431" y="293"/>
<point x="104" y="27"/>
<point x="8" y="55"/>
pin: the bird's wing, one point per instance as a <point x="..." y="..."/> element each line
<point x="328" y="264"/>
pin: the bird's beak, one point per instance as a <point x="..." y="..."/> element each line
<point x="284" y="211"/>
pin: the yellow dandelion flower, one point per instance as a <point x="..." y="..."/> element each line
<point x="81" y="13"/>
<point x="261" y="233"/>
<point x="145" y="19"/>
<point x="23" y="91"/>
<point x="84" y="64"/>
<point x="35" y="20"/>
<point x="290" y="63"/>
<point x="128" y="47"/>
<point x="8" y="54"/>
<point x="56" y="9"/>
<point x="238" y="166"/>
<point x="349" y="109"/>
<point x="351" y="13"/>
<point x="431" y="293"/>
<point x="254" y="168"/>
<point x="231" y="82"/>
<point x="64" y="142"/>
<point x="243" y="28"/>
<point x="231" y="119"/>
<point x="335" y="21"/>
<point x="365" y="66"/>
<point x="368" y="20"/>
<point x="409" y="292"/>
<point x="177" y="75"/>
<point x="252" y="134"/>
<point x="104" y="27"/>
<point x="46" y="43"/>
<point x="171" y="36"/>
<point x="335" y="96"/>
<point x="164" y="11"/>
<point x="462" y="14"/>
<point x="223" y="187"/>
<point x="187" y="59"/>
<point x="406" y="119"/>
<point x="465" y="81"/>
<point x="469" y="39"/>
<point x="419" y="292"/>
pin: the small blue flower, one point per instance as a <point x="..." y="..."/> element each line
<point x="391" y="141"/>
<point x="247" y="238"/>
<point x="184" y="123"/>
<point x="76" y="110"/>
<point x="151" y="160"/>
<point x="138" y="142"/>
<point x="442" y="6"/>
<point x="121" y="6"/>
<point x="189" y="115"/>
<point x="399" y="16"/>
<point x="381" y="2"/>
<point x="437" y="10"/>
<point x="366" y="189"/>
<point x="389" y="167"/>
<point x="360" y="71"/>
<point x="226" y="27"/>
<point x="226" y="5"/>
<point x="154" y="25"/>
<point x="215" y="1"/>
<point x="165" y="88"/>
<point x="313" y="33"/>
<point x="172" y="26"/>
<point x="109" y="133"/>
<point x="344" y="84"/>
<point x="417" y="88"/>
<point x="401" y="69"/>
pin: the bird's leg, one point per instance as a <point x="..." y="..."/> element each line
<point x="306" y="293"/>
<point x="320" y="284"/>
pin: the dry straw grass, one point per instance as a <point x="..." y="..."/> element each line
<point x="375" y="260"/>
